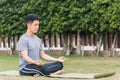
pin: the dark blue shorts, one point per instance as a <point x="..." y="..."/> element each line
<point x="44" y="70"/>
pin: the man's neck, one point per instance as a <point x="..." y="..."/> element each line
<point x="30" y="33"/>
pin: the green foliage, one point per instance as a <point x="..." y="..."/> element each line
<point x="58" y="16"/>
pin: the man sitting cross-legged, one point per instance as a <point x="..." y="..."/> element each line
<point x="31" y="51"/>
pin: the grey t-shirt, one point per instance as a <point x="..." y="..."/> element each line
<point x="31" y="44"/>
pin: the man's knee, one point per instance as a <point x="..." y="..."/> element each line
<point x="60" y="64"/>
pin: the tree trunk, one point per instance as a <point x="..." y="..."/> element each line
<point x="8" y="41"/>
<point x="3" y="40"/>
<point x="14" y="43"/>
<point x="95" y="40"/>
<point x="18" y="37"/>
<point x="99" y="45"/>
<point x="112" y="48"/>
<point x="44" y="42"/>
<point x="61" y="40"/>
<point x="82" y="44"/>
<point x="73" y="41"/>
<point x="47" y="40"/>
<point x="0" y="42"/>
<point x="78" y="43"/>
<point x="50" y="43"/>
<point x="106" y="42"/>
<point x="86" y="39"/>
<point x="68" y="45"/>
<point x="73" y="46"/>
<point x="110" y="41"/>
<point x="53" y="41"/>
<point x="91" y="39"/>
<point x="58" y="40"/>
<point x="117" y="43"/>
<point x="64" y="42"/>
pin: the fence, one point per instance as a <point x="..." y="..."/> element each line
<point x="58" y="42"/>
<point x="49" y="43"/>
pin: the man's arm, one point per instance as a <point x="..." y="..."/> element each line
<point x="26" y="58"/>
<point x="49" y="58"/>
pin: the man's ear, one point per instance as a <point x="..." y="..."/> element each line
<point x="28" y="24"/>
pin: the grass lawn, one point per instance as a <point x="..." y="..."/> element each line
<point x="76" y="64"/>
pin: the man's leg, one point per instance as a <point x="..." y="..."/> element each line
<point x="52" y="68"/>
<point x="31" y="70"/>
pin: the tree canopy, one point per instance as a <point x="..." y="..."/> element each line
<point x="58" y="16"/>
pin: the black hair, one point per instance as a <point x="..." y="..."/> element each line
<point x="31" y="18"/>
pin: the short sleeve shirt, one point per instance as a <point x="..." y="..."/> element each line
<point x="31" y="44"/>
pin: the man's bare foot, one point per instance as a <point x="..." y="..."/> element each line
<point x="58" y="72"/>
<point x="36" y="75"/>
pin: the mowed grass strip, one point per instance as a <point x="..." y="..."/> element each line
<point x="73" y="64"/>
<point x="8" y="62"/>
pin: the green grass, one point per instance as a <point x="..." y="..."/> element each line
<point x="75" y="64"/>
<point x="92" y="64"/>
<point x="8" y="62"/>
<point x="72" y="64"/>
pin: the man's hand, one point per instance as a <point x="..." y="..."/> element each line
<point x="61" y="59"/>
<point x="39" y="63"/>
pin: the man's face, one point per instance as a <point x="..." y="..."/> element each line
<point x="34" y="26"/>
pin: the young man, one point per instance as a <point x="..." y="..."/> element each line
<point x="31" y="51"/>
